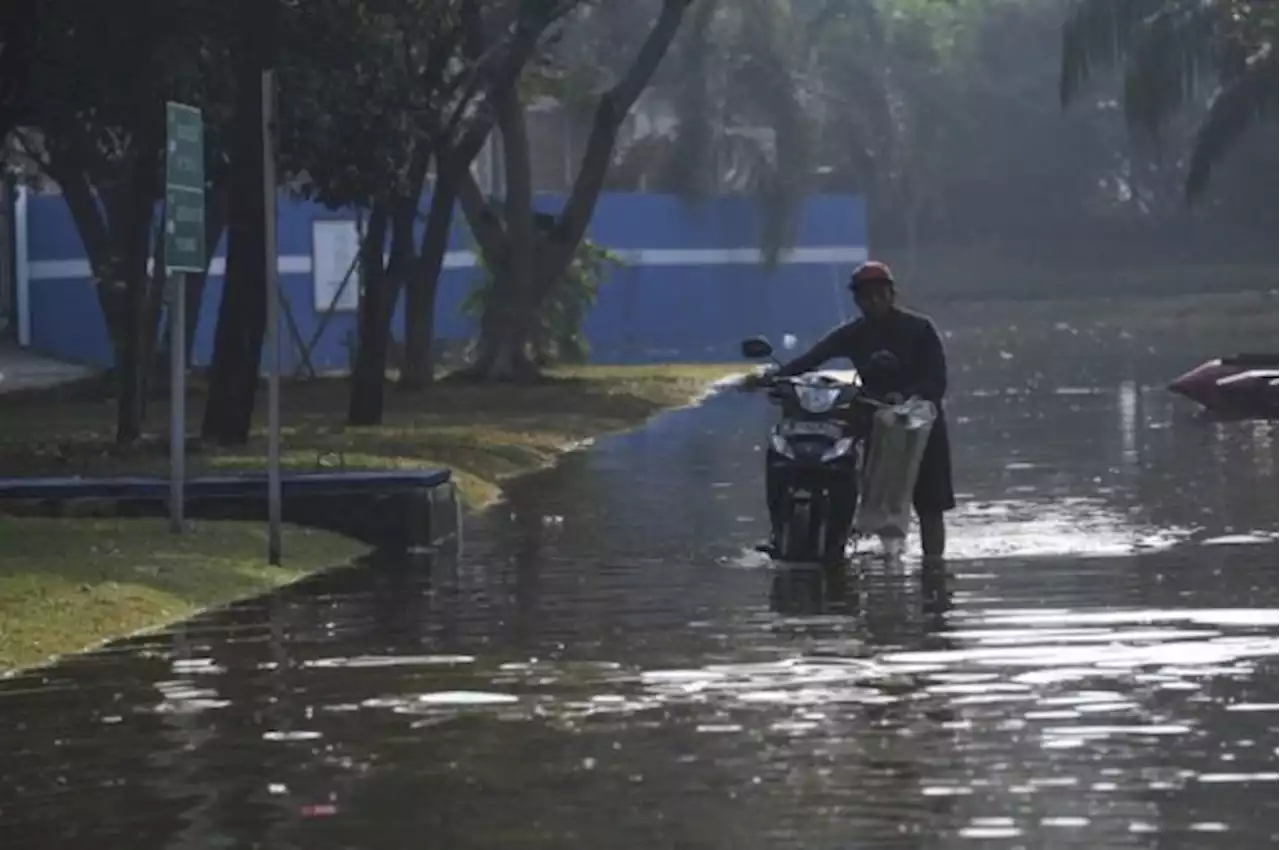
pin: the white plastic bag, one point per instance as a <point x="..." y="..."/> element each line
<point x="891" y="465"/>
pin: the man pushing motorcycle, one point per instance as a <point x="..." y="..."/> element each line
<point x="898" y="355"/>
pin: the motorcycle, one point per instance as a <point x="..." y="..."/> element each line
<point x="813" y="459"/>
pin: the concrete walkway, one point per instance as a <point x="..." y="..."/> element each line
<point x="21" y="369"/>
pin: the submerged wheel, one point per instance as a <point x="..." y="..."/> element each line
<point x="838" y="535"/>
<point x="799" y="534"/>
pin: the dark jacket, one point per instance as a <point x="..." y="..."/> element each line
<point x="910" y="337"/>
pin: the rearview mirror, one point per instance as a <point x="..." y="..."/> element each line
<point x="756" y="348"/>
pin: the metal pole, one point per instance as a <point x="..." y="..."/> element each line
<point x="273" y="316"/>
<point x="177" y="399"/>
<point x="22" y="267"/>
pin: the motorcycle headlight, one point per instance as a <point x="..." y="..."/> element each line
<point x="817" y="399"/>
<point x="842" y="447"/>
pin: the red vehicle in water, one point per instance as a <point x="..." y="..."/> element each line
<point x="1246" y="386"/>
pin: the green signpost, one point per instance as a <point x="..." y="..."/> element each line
<point x="184" y="251"/>
<point x="184" y="246"/>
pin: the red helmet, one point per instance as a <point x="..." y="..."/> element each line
<point x="870" y="272"/>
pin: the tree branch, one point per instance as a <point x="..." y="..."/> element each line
<point x="612" y="109"/>
<point x="485" y="226"/>
<point x="519" y="169"/>
<point x="489" y="232"/>
<point x="78" y="195"/>
<point x="523" y="44"/>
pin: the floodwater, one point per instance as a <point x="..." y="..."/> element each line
<point x="609" y="666"/>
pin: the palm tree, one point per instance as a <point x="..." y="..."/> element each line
<point x="776" y="99"/>
<point x="738" y="90"/>
<point x="1170" y="52"/>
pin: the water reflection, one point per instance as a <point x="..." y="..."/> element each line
<point x="612" y="667"/>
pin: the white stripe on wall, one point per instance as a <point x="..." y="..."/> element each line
<point x="301" y="263"/>
<point x="740" y="256"/>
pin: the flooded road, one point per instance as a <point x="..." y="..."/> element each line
<point x="609" y="666"/>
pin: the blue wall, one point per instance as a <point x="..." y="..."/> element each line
<point x="689" y="290"/>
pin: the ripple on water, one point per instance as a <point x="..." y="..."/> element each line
<point x="466" y="698"/>
<point x="1250" y="539"/>
<point x="443" y="699"/>
<point x="1042" y="527"/>
<point x="374" y="661"/>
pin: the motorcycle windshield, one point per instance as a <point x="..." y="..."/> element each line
<point x="817" y="399"/>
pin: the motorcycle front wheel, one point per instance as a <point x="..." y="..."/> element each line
<point x="800" y="534"/>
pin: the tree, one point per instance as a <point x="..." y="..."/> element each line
<point x="350" y="77"/>
<point x="1168" y="51"/>
<point x="421" y="93"/>
<point x="100" y="137"/>
<point x="350" y="136"/>
<point x="743" y="96"/>
<point x="456" y="139"/>
<point x="775" y="98"/>
<point x="558" y="336"/>
<point x="250" y="43"/>
<point x="735" y="109"/>
<point x="369" y="146"/>
<point x="526" y="267"/>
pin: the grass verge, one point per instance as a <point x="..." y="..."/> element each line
<point x="70" y="583"/>
<point x="484" y="433"/>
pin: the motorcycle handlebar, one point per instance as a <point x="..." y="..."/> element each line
<point x="768" y="381"/>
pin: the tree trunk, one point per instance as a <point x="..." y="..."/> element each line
<point x="502" y="347"/>
<point x="242" y="319"/>
<point x="502" y="355"/>
<point x="378" y="302"/>
<point x="137" y="339"/>
<point x="131" y="359"/>
<point x="422" y="286"/>
<point x="130" y="210"/>
<point x="506" y="324"/>
<point x="116" y="236"/>
<point x="364" y="406"/>
<point x="454" y="158"/>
